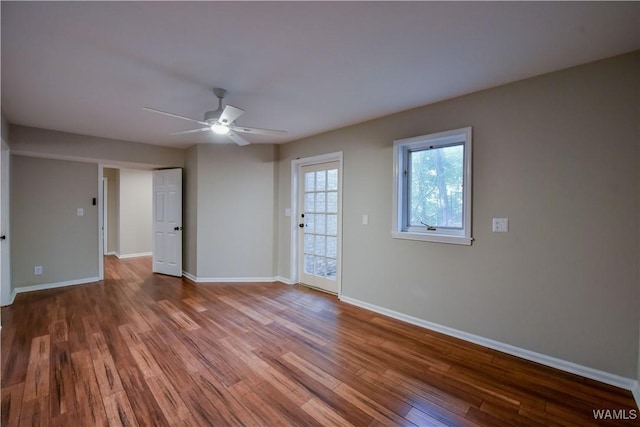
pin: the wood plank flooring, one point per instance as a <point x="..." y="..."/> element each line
<point x="139" y="349"/>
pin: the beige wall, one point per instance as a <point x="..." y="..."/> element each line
<point x="235" y="211"/>
<point x="45" y="229"/>
<point x="113" y="209"/>
<point x="68" y="146"/>
<point x="556" y="154"/>
<point x="135" y="216"/>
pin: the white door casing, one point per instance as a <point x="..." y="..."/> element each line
<point x="167" y="222"/>
<point x="5" y="276"/>
<point x="319" y="233"/>
<point x="105" y="216"/>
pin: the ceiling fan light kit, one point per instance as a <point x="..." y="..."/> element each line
<point x="221" y="121"/>
<point x="220" y="129"/>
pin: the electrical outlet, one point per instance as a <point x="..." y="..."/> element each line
<point x="500" y="225"/>
<point x="37" y="270"/>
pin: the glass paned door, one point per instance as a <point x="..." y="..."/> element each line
<point x="319" y="226"/>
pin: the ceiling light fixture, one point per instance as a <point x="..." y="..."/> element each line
<point x="220" y="129"/>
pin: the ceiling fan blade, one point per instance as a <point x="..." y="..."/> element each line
<point x="237" y="139"/>
<point x="191" y="131"/>
<point x="153" y="110"/>
<point x="230" y="114"/>
<point x="258" y="131"/>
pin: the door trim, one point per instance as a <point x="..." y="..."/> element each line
<point x="295" y="188"/>
<point x="100" y="222"/>
<point x="105" y="215"/>
<point x="6" y="293"/>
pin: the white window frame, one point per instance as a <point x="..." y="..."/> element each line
<point x="401" y="148"/>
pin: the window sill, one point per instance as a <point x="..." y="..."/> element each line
<point x="437" y="238"/>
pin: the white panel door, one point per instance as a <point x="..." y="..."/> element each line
<point x="5" y="287"/>
<point x="167" y="222"/>
<point x="319" y="226"/>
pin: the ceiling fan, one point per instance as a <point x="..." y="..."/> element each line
<point x="222" y="121"/>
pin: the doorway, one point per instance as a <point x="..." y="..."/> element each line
<point x="317" y="247"/>
<point x="126" y="210"/>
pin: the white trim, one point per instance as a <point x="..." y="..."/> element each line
<point x="563" y="365"/>
<point x="112" y="253"/>
<point x="635" y="390"/>
<point x="233" y="279"/>
<point x="401" y="147"/>
<point x="197" y="279"/>
<point x="45" y="286"/>
<point x="295" y="169"/>
<point x="284" y="280"/>
<point x="100" y="223"/>
<point x="437" y="238"/>
<point x="125" y="256"/>
<point x="6" y="294"/>
<point x="105" y="214"/>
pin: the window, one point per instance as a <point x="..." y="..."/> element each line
<point x="432" y="187"/>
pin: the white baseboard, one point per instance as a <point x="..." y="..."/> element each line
<point x="636" y="393"/>
<point x="12" y="298"/>
<point x="284" y="280"/>
<point x="45" y="286"/>
<point x="112" y="253"/>
<point x="197" y="279"/>
<point x="124" y="256"/>
<point x="563" y="365"/>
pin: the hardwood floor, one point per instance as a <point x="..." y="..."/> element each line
<point x="139" y="349"/>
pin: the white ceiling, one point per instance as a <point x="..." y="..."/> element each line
<point x="306" y="67"/>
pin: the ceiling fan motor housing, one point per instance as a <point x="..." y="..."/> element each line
<point x="212" y="116"/>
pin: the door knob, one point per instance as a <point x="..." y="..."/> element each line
<point x="301" y="225"/>
<point x="177" y="228"/>
<point x="3" y="237"/>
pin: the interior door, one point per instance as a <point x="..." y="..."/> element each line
<point x="3" y="237"/>
<point x="319" y="226"/>
<point x="167" y="222"/>
<point x="5" y="276"/>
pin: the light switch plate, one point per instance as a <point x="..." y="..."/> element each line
<point x="500" y="225"/>
<point x="287" y="212"/>
<point x="365" y="219"/>
<point x="80" y="212"/>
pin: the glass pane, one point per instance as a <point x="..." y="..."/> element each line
<point x="309" y="181"/>
<point x="320" y="202"/>
<point x="321" y="180"/>
<point x="321" y="267"/>
<point x="320" y="224"/>
<point x="309" y="264"/>
<point x="309" y="202"/>
<point x="435" y="187"/>
<point x="320" y="243"/>
<point x="332" y="247"/>
<point x="308" y="243"/>
<point x="331" y="269"/>
<point x="310" y="220"/>
<point x="332" y="201"/>
<point x="332" y="224"/>
<point x="332" y="179"/>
